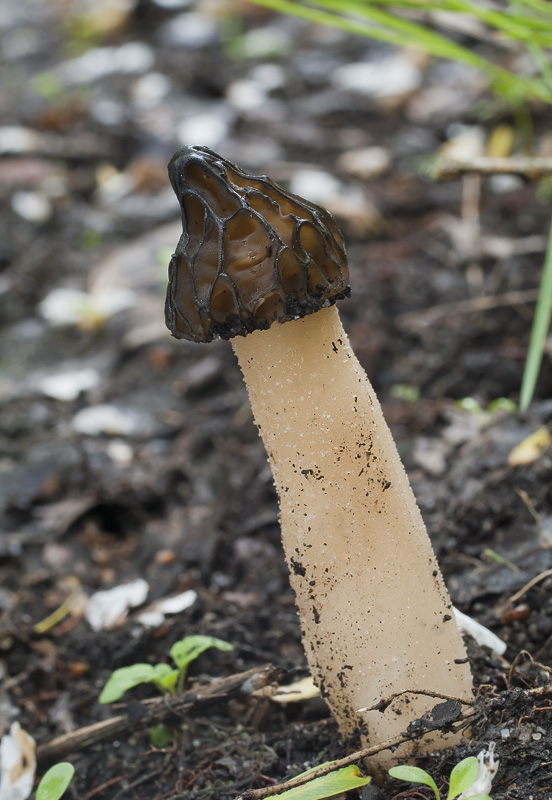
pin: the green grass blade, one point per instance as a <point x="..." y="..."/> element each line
<point x="403" y="33"/>
<point x="516" y="26"/>
<point x="539" y="56"/>
<point x="541" y="325"/>
<point x="344" y="23"/>
<point x="495" y="18"/>
<point x="541" y="6"/>
<point x="440" y="45"/>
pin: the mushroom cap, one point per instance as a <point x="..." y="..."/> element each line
<point x="250" y="254"/>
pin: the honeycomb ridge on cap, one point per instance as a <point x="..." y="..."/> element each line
<point x="251" y="254"/>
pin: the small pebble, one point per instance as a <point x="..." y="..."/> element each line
<point x="15" y="139"/>
<point x="97" y="63"/>
<point x="315" y="185"/>
<point x="190" y="30"/>
<point x="165" y="556"/>
<point x="73" y="307"/>
<point x="150" y="89"/>
<point x="68" y="386"/>
<point x="269" y="76"/>
<point x="120" y="452"/>
<point x="265" y="43"/>
<point x="32" y="206"/>
<point x="504" y="184"/>
<point x="392" y="76"/>
<point x="209" y="129"/>
<point x="466" y="142"/>
<point x="104" y="419"/>
<point x="245" y="95"/>
<point x="365" y="162"/>
<point x="107" y="112"/>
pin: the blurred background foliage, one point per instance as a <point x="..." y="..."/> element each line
<point x="123" y="83"/>
<point x="432" y="27"/>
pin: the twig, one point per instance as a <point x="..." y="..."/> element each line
<point x="527" y="167"/>
<point x="485" y="303"/>
<point x="103" y="786"/>
<point x="138" y="782"/>
<point x="539" y="690"/>
<point x="385" y="702"/>
<point x="533" y="582"/>
<point x="545" y="543"/>
<point x="160" y="709"/>
<point x="367" y="752"/>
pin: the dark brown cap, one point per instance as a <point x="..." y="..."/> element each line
<point x="250" y="253"/>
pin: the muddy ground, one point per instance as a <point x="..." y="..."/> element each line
<point x="125" y="454"/>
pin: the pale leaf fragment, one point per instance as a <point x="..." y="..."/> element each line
<point x="17" y="764"/>
<point x="106" y="609"/>
<point x="530" y="448"/>
<point x="304" y="689"/>
<point x="488" y="767"/>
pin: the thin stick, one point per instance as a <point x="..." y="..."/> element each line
<point x="140" y="715"/>
<point x="385" y="702"/>
<point x="394" y="29"/>
<point x="524" y="166"/>
<point x="484" y="303"/>
<point x="533" y="582"/>
<point x="545" y="543"/>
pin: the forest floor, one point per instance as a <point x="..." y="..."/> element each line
<point x="126" y="455"/>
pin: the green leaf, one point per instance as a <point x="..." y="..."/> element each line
<point x="188" y="649"/>
<point x="341" y="780"/>
<point x="166" y="678"/>
<point x="501" y="404"/>
<point x="463" y="776"/>
<point x="55" y="781"/>
<point x="124" y="679"/>
<point x="160" y="671"/>
<point x="161" y="735"/>
<point x="414" y="775"/>
<point x="359" y="16"/>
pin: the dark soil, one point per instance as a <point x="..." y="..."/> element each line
<point x="177" y="489"/>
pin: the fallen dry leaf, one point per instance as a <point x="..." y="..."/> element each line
<point x="17" y="764"/>
<point x="530" y="448"/>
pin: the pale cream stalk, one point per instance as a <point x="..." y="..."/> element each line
<point x="375" y="613"/>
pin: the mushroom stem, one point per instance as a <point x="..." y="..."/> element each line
<point x="376" y="615"/>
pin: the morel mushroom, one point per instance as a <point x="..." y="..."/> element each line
<point x="375" y="613"/>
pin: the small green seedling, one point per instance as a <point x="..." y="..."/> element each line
<point x="463" y="776"/>
<point x="161" y="735"/>
<point x="164" y="677"/>
<point x="484" y="416"/>
<point x="55" y="781"/>
<point x="406" y="392"/>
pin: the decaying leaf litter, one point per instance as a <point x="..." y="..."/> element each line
<point x="127" y="456"/>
